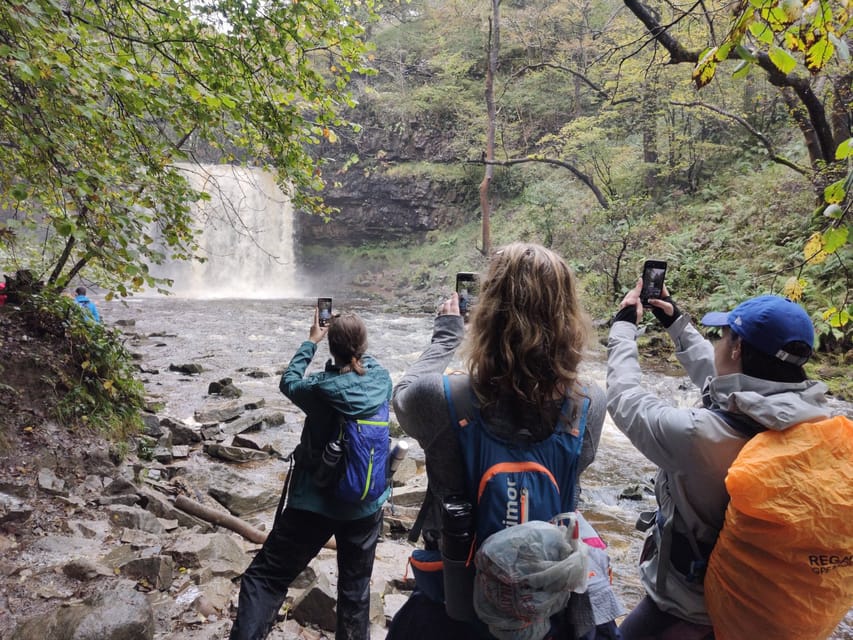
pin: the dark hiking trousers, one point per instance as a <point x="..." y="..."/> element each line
<point x="294" y="541"/>
<point x="648" y="622"/>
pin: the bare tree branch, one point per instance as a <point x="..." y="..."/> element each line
<point x="752" y="130"/>
<point x="580" y="175"/>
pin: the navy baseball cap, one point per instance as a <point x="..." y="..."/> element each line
<point x="767" y="323"/>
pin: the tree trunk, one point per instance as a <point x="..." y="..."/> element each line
<point x="491" y="68"/>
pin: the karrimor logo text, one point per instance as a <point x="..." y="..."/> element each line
<point x="512" y="510"/>
<point x="824" y="563"/>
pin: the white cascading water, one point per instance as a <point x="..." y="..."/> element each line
<point x="246" y="236"/>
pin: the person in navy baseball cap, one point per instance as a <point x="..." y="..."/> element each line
<point x="750" y="379"/>
<point x="770" y="324"/>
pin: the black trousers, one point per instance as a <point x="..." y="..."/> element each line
<point x="295" y="540"/>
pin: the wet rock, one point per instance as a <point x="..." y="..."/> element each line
<point x="251" y="421"/>
<point x="635" y="492"/>
<point x="217" y="386"/>
<point x="160" y="506"/>
<point x="190" y="368"/>
<point x="84" y="569"/>
<point x="151" y="425"/>
<point x="274" y="442"/>
<point x="118" y="486"/>
<point x="222" y="412"/>
<point x="181" y="432"/>
<point x="155" y="571"/>
<point x="234" y="454"/>
<point x="254" y="373"/>
<point x="198" y="550"/>
<point x="239" y="496"/>
<point x="120" y="613"/>
<point x="49" y="482"/>
<point x="316" y="605"/>
<point x="13" y="510"/>
<point x="134" y="518"/>
<point x="254" y="404"/>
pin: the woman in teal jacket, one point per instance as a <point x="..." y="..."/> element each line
<point x="353" y="385"/>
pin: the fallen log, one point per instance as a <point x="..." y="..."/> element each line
<point x="220" y="518"/>
<point x="228" y="521"/>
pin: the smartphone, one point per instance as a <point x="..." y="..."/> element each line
<point x="324" y="307"/>
<point x="654" y="272"/>
<point x="468" y="288"/>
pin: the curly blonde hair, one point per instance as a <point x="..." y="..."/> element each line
<point x="528" y="330"/>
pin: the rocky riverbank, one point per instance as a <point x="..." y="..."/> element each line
<point x="93" y="544"/>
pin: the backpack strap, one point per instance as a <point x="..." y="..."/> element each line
<point x="566" y="418"/>
<point x="460" y="405"/>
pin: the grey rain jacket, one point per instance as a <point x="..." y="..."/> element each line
<point x="693" y="447"/>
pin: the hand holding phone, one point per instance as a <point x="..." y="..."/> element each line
<point x="654" y="272"/>
<point x="468" y="288"/>
<point x="324" y="311"/>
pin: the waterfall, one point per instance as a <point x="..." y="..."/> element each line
<point x="245" y="234"/>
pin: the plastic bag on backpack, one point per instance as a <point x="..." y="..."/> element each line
<point x="525" y="574"/>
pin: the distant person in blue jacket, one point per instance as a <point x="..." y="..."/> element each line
<point x="87" y="304"/>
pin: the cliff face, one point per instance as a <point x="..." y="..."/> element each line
<point x="389" y="192"/>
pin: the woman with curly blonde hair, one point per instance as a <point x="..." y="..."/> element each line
<point x="526" y="340"/>
<point x="530" y="294"/>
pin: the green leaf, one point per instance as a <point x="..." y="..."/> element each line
<point x="19" y="192"/>
<point x="834" y="239"/>
<point x="844" y="150"/>
<point x="783" y="60"/>
<point x="742" y="69"/>
<point x="834" y="193"/>
<point x="819" y="54"/>
<point x="762" y="32"/>
<point x="704" y="71"/>
<point x="745" y="53"/>
<point x="65" y="228"/>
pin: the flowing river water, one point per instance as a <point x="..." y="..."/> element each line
<point x="229" y="335"/>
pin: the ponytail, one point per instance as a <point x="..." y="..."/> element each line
<point x="348" y="342"/>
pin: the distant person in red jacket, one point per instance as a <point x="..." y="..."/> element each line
<point x="2" y="293"/>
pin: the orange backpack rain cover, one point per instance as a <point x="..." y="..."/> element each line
<point x="782" y="567"/>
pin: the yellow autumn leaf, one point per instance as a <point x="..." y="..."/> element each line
<point x="813" y="251"/>
<point x="793" y="289"/>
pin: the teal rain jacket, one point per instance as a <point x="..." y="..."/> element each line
<point x="323" y="397"/>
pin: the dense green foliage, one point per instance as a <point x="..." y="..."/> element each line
<point x="609" y="153"/>
<point x="87" y="372"/>
<point x="99" y="101"/>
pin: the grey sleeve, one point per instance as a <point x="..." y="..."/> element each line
<point x="694" y="352"/>
<point x="422" y="411"/>
<point x="664" y="434"/>
<point x="594" y="424"/>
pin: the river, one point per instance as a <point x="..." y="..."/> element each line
<point x="227" y="335"/>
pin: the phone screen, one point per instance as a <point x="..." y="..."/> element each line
<point x="468" y="288"/>
<point x="654" y="272"/>
<point x="324" y="307"/>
